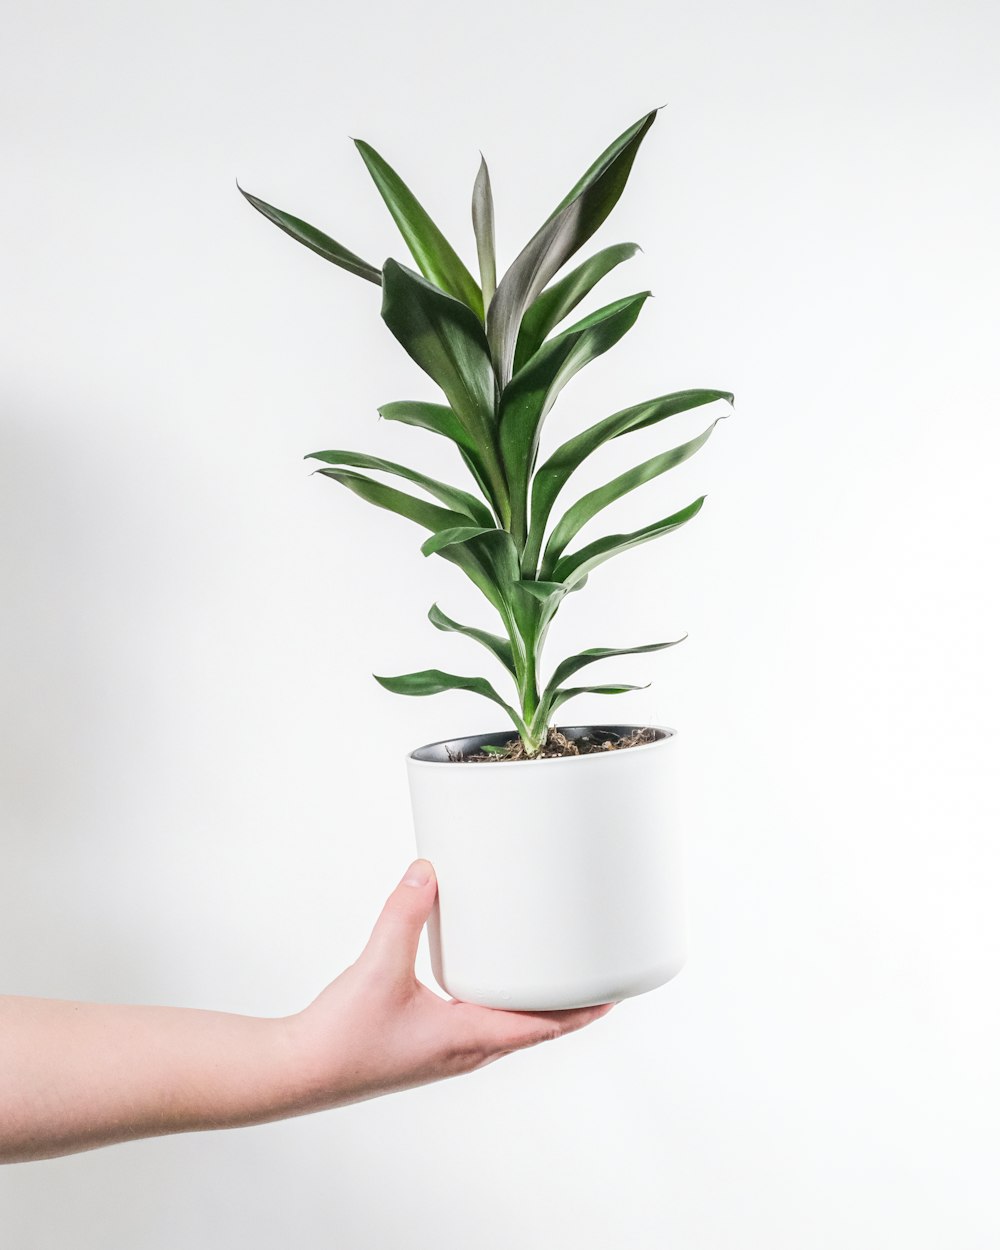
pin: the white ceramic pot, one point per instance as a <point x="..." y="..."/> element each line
<point x="558" y="880"/>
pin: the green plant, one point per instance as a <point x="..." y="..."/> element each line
<point x="489" y="347"/>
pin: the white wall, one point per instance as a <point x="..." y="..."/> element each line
<point x="203" y="793"/>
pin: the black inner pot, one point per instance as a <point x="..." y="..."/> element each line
<point x="437" y="752"/>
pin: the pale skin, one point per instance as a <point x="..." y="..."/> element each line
<point x="75" y="1076"/>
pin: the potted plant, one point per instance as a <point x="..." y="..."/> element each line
<point x="555" y="848"/>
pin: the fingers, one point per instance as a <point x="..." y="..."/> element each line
<point x="396" y="936"/>
<point x="513" y="1030"/>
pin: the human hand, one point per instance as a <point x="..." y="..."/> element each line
<point x="74" y="1076"/>
<point x="377" y="1029"/>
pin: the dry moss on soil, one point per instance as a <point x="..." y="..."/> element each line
<point x="556" y="746"/>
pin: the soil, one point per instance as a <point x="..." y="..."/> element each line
<point x="556" y="746"/>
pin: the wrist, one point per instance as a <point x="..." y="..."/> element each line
<point x="278" y="1081"/>
<point x="251" y="1073"/>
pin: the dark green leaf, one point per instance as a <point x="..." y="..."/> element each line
<point x="570" y="226"/>
<point x="542" y="591"/>
<point x="615" y="155"/>
<point x="440" y="419"/>
<point x="558" y="300"/>
<point x="500" y="647"/>
<point x="533" y="607"/>
<point x="687" y="400"/>
<point x="447" y="538"/>
<point x="315" y="239"/>
<point x="434" y="681"/>
<point x="482" y="224"/>
<point x="450" y="496"/>
<point x="594" y="501"/>
<point x="444" y="338"/>
<point x="559" y="697"/>
<point x="554" y="473"/>
<point x="575" y="662"/>
<point x="533" y="391"/>
<point x="488" y="558"/>
<point x="435" y="257"/>
<point x="579" y="562"/>
<point x="419" y="510"/>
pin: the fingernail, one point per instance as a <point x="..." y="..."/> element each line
<point x="418" y="873"/>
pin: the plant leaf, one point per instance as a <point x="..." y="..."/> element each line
<point x="439" y="419"/>
<point x="533" y="607"/>
<point x="594" y="501"/>
<point x="434" y="681"/>
<point x="555" y="472"/>
<point x="570" y="225"/>
<point x="542" y="591"/>
<point x="575" y="662"/>
<point x="559" y="697"/>
<point x="435" y="257"/>
<point x="500" y="647"/>
<point x="482" y="224"/>
<point x="488" y="558"/>
<point x="579" y="562"/>
<point x="558" y="300"/>
<point x="444" y="338"/>
<point x="447" y="538"/>
<point x="450" y="496"/>
<point x="618" y="151"/>
<point x="315" y="239"/>
<point x="533" y="391"/>
<point x="419" y="510"/>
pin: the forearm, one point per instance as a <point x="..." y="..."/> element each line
<point x="74" y="1076"/>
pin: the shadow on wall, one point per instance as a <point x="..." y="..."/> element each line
<point x="72" y="522"/>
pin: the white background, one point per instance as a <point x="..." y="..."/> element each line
<point x="203" y="792"/>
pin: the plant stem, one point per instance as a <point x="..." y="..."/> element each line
<point x="526" y="680"/>
<point x="528" y="690"/>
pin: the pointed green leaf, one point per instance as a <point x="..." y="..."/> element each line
<point x="419" y="510"/>
<point x="450" y="496"/>
<point x="447" y="538"/>
<point x="559" y="697"/>
<point x="594" y="501"/>
<point x="435" y="257"/>
<point x="444" y="338"/>
<point x="619" y="152"/>
<point x="579" y="562"/>
<point x="555" y="472"/>
<point x="533" y="606"/>
<point x="558" y="300"/>
<point x="542" y="591"/>
<point x="564" y="233"/>
<point x="682" y="401"/>
<point x="575" y="662"/>
<point x="315" y="239"/>
<point x="434" y="681"/>
<point x="531" y="394"/>
<point x="440" y="419"/>
<point x="482" y="224"/>
<point x="488" y="558"/>
<point x="500" y="647"/>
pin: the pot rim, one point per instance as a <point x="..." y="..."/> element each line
<point x="414" y="761"/>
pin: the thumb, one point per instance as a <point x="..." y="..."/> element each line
<point x="396" y="936"/>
